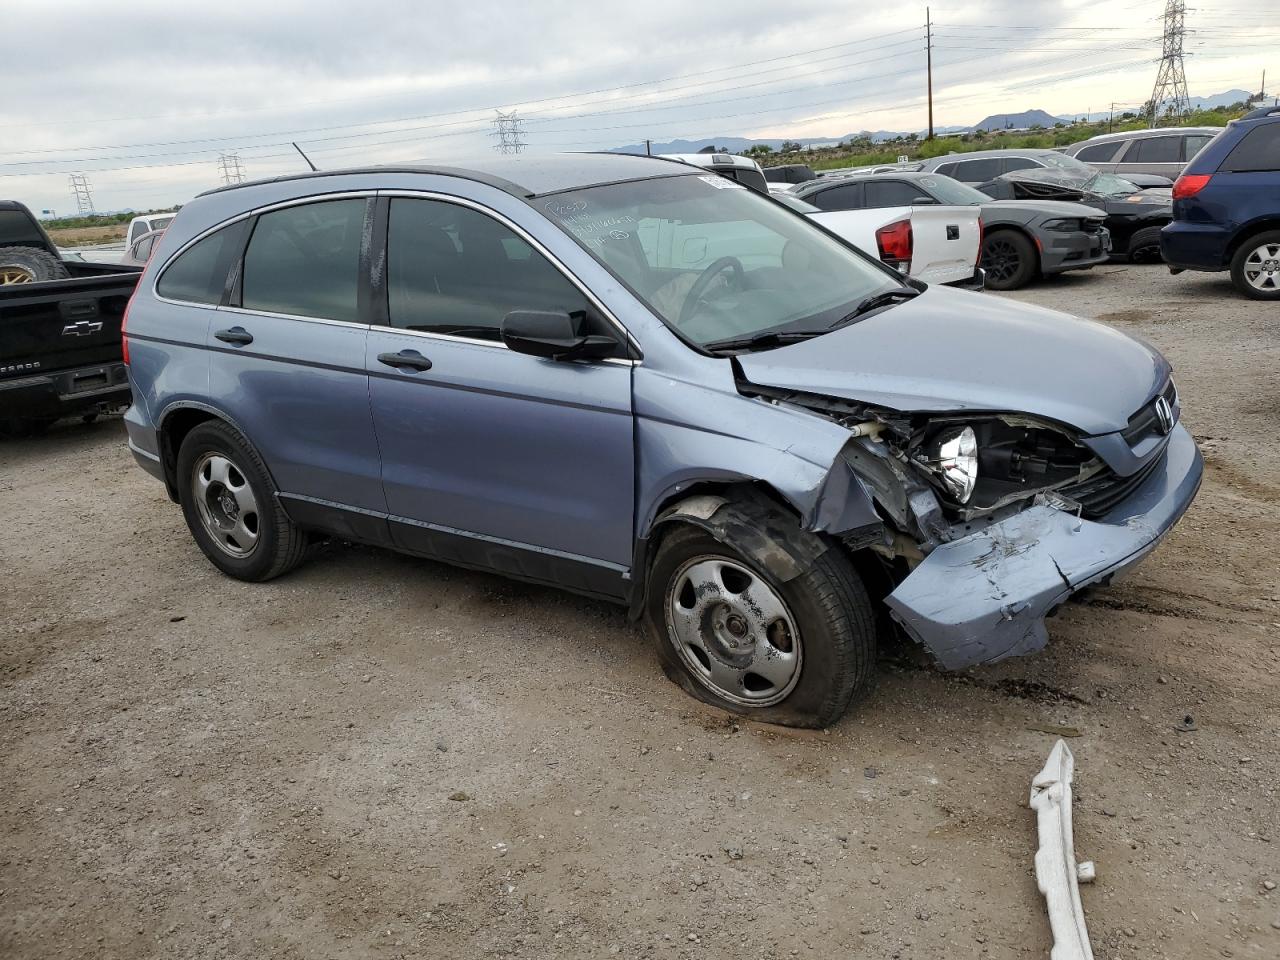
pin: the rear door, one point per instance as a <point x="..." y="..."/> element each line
<point x="493" y="458"/>
<point x="1161" y="156"/>
<point x="287" y="357"/>
<point x="945" y="239"/>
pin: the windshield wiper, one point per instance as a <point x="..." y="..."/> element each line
<point x="772" y="338"/>
<point x="875" y="301"/>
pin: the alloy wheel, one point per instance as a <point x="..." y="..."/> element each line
<point x="1000" y="259"/>
<point x="733" y="631"/>
<point x="1262" y="268"/>
<point x="11" y="275"/>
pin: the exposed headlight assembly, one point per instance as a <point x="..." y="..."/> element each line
<point x="1062" y="226"/>
<point x="955" y="459"/>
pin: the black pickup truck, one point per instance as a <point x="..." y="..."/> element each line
<point x="60" y="345"/>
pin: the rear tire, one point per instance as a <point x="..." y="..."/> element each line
<point x="1255" y="268"/>
<point x="29" y="265"/>
<point x="230" y="506"/>
<point x="1144" y="245"/>
<point x="813" y="638"/>
<point x="1009" y="259"/>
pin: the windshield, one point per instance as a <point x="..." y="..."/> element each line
<point x="1109" y="185"/>
<point x="1060" y="161"/>
<point x="715" y="260"/>
<point x="949" y="191"/>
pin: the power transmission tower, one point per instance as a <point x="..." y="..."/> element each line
<point x="1170" y="92"/>
<point x="230" y="168"/>
<point x="80" y="190"/>
<point x="506" y="127"/>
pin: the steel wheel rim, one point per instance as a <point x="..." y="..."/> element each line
<point x="226" y="504"/>
<point x="12" y="275"/>
<point x="1262" y="267"/>
<point x="1000" y="259"/>
<point x="733" y="632"/>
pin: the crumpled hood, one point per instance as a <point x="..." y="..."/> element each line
<point x="952" y="350"/>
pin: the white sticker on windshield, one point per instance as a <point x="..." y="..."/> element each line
<point x="722" y="183"/>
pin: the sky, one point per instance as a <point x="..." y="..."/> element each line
<point x="143" y="98"/>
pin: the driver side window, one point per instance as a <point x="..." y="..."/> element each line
<point x="455" y="270"/>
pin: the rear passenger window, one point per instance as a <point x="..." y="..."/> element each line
<point x="454" y="270"/>
<point x="305" y="260"/>
<point x="199" y="274"/>
<point x="1155" y="150"/>
<point x="1019" y="163"/>
<point x="1100" y="152"/>
<point x="978" y="171"/>
<point x="1193" y="144"/>
<point x="1259" y="150"/>
<point x="891" y="193"/>
<point x="848" y="197"/>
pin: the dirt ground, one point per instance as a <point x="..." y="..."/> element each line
<point x="77" y="236"/>
<point x="383" y="757"/>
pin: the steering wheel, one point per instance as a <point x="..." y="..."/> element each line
<point x="699" y="288"/>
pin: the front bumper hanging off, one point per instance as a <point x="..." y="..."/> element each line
<point x="984" y="597"/>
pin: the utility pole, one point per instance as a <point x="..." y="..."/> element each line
<point x="928" y="46"/>
<point x="506" y="127"/>
<point x="80" y="190"/>
<point x="649" y="153"/>
<point x="1171" y="80"/>
<point x="1111" y="121"/>
<point x="230" y="168"/>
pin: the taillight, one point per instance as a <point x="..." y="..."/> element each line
<point x="1189" y="184"/>
<point x="895" y="243"/>
<point x="124" y="324"/>
<point x="981" y="229"/>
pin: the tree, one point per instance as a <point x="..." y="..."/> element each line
<point x="789" y="146"/>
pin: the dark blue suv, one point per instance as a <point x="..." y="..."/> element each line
<point x="1226" y="207"/>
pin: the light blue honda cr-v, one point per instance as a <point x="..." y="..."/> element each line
<point x="640" y="381"/>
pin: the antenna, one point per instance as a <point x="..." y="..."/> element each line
<point x="80" y="190"/>
<point x="305" y="157"/>
<point x="506" y="127"/>
<point x="1170" y="92"/>
<point x="231" y="169"/>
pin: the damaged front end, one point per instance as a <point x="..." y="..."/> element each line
<point x="991" y="521"/>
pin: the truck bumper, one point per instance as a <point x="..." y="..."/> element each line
<point x="1075" y="251"/>
<point x="978" y="281"/>
<point x="65" y="392"/>
<point x="985" y="597"/>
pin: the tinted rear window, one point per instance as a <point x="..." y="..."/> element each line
<point x="978" y="171"/>
<point x="1100" y="152"/>
<point x="891" y="193"/>
<point x="1259" y="150"/>
<point x="848" y="197"/>
<point x="305" y="260"/>
<point x="199" y="274"/>
<point x="1155" y="150"/>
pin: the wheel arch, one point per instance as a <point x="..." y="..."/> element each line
<point x="175" y="423"/>
<point x="1250" y="230"/>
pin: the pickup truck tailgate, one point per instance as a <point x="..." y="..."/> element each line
<point x="945" y="242"/>
<point x="60" y="324"/>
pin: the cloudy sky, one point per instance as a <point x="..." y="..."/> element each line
<point x="144" y="97"/>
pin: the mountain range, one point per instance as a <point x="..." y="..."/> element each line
<point x="997" y="121"/>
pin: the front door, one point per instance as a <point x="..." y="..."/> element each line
<point x="492" y="458"/>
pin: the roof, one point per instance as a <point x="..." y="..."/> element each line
<point x="526" y="175"/>
<point x="1262" y="113"/>
<point x="1149" y="132"/>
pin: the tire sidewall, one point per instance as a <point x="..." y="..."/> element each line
<point x="1026" y="259"/>
<point x="812" y="693"/>
<point x="1237" y="266"/>
<point x="1142" y="240"/>
<point x="40" y="264"/>
<point x="218" y="438"/>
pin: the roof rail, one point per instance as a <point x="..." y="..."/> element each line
<point x="1260" y="112"/>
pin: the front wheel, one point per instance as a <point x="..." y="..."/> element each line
<point x="1009" y="260"/>
<point x="1255" y="268"/>
<point x="230" y="506"/>
<point x="733" y="635"/>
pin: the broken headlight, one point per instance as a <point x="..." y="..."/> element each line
<point x="955" y="458"/>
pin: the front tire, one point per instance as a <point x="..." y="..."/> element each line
<point x="1255" y="268"/>
<point x="230" y="506"/>
<point x="1144" y="245"/>
<point x="734" y="636"/>
<point x="1009" y="259"/>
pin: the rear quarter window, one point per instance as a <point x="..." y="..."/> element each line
<point x="199" y="273"/>
<point x="1258" y="150"/>
<point x="1100" y="152"/>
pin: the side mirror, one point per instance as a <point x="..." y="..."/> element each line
<point x="922" y="201"/>
<point x="555" y="334"/>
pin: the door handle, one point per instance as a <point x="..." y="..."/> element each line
<point x="411" y="359"/>
<point x="237" y="335"/>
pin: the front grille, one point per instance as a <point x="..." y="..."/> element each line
<point x="1105" y="489"/>
<point x="1093" y="227"/>
<point x="1146" y="422"/>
